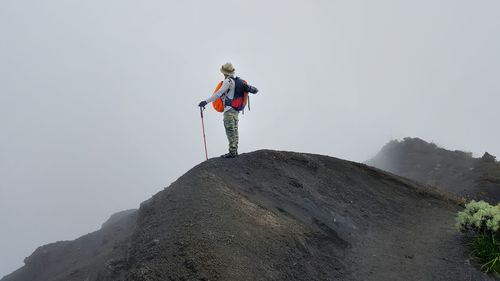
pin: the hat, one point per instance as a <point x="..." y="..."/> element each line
<point x="227" y="69"/>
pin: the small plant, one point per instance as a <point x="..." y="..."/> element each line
<point x="483" y="221"/>
<point x="479" y="217"/>
<point x="487" y="249"/>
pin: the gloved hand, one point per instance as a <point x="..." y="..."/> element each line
<point x="202" y="104"/>
<point x="251" y="89"/>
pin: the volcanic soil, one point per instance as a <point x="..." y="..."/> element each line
<point x="272" y="215"/>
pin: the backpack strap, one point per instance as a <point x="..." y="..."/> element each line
<point x="227" y="100"/>
<point x="224" y="96"/>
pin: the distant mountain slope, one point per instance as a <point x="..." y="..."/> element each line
<point x="271" y="215"/>
<point x="454" y="171"/>
<point x="89" y="257"/>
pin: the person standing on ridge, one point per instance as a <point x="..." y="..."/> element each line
<point x="234" y="94"/>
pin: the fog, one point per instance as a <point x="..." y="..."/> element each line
<point x="98" y="99"/>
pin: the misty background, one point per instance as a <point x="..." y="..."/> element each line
<point x="98" y="99"/>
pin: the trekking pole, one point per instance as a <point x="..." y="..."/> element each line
<point x="203" y="127"/>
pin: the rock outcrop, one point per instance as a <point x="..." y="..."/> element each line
<point x="453" y="171"/>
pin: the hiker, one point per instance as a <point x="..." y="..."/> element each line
<point x="233" y="94"/>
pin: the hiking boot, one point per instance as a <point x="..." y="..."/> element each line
<point x="230" y="155"/>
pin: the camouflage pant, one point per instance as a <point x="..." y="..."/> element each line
<point x="231" y="126"/>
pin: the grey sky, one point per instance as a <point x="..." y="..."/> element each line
<point x="98" y="98"/>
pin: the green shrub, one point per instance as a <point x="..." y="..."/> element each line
<point x="483" y="221"/>
<point x="487" y="249"/>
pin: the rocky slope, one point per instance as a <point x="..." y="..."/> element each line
<point x="89" y="257"/>
<point x="271" y="215"/>
<point x="454" y="171"/>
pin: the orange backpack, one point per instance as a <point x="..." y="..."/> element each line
<point x="218" y="104"/>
